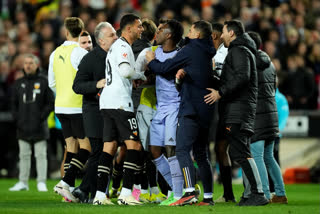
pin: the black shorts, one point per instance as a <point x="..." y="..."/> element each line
<point x="119" y="125"/>
<point x="72" y="125"/>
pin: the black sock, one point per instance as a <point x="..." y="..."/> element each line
<point x="164" y="186"/>
<point x="117" y="174"/>
<point x="151" y="172"/>
<point x="226" y="178"/>
<point x="142" y="173"/>
<point x="76" y="164"/>
<point x="103" y="171"/>
<point x="130" y="168"/>
<point x="67" y="161"/>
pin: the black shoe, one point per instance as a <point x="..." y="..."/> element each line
<point x="81" y="195"/>
<point x="242" y="201"/>
<point x="255" y="200"/>
<point x="206" y="202"/>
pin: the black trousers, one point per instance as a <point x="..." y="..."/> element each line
<point x="239" y="151"/>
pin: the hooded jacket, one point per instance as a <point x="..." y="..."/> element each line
<point x="32" y="102"/>
<point x="196" y="60"/>
<point x="266" y="122"/>
<point x="239" y="84"/>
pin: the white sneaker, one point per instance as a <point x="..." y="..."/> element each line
<point x="105" y="201"/>
<point x="42" y="187"/>
<point x="128" y="200"/>
<point x="64" y="191"/>
<point x="19" y="186"/>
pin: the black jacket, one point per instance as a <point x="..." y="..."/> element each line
<point x="196" y="60"/>
<point x="266" y="123"/>
<point x="239" y="84"/>
<point x="91" y="69"/>
<point x="32" y="102"/>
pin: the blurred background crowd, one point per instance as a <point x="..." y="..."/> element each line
<point x="290" y="30"/>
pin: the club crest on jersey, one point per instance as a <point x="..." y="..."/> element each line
<point x="36" y="85"/>
<point x="124" y="55"/>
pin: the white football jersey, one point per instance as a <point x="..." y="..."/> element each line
<point x="117" y="91"/>
<point x="219" y="58"/>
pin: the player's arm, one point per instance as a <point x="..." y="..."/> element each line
<point x="51" y="78"/>
<point x="170" y="65"/>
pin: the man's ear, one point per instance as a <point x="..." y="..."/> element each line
<point x="231" y="33"/>
<point x="214" y="36"/>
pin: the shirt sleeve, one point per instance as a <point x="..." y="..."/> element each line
<point x="141" y="61"/>
<point x="122" y="54"/>
<point x="76" y="56"/>
<point x="51" y="78"/>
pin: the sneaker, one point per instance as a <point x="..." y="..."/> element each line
<point x="206" y="202"/>
<point x="19" y="186"/>
<point x="279" y="199"/>
<point x="81" y="195"/>
<point x="255" y="200"/>
<point x="136" y="193"/>
<point x="222" y="199"/>
<point x="144" y="197"/>
<point x="128" y="200"/>
<point x="187" y="198"/>
<point x="42" y="187"/>
<point x="105" y="201"/>
<point x="197" y="190"/>
<point x="114" y="193"/>
<point x="157" y="198"/>
<point x="64" y="191"/>
<point x="169" y="200"/>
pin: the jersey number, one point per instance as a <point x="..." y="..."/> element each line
<point x="109" y="73"/>
<point x="133" y="123"/>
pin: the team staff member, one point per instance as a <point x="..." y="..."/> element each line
<point x="120" y="124"/>
<point x="237" y="106"/>
<point x="194" y="115"/>
<point x="32" y="101"/>
<point x="63" y="67"/>
<point x="89" y="79"/>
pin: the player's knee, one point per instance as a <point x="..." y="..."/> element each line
<point x="171" y="151"/>
<point x="155" y="152"/>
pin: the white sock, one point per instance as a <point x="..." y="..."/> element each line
<point x="154" y="190"/>
<point x="125" y="192"/>
<point x="190" y="189"/>
<point x="207" y="195"/>
<point x="100" y="195"/>
<point x="137" y="186"/>
<point x="144" y="191"/>
<point x="64" y="183"/>
<point x="169" y="193"/>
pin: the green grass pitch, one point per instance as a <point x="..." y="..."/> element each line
<point x="303" y="198"/>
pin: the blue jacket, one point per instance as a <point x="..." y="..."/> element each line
<point x="283" y="109"/>
<point x="196" y="60"/>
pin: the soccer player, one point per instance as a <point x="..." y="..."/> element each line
<point x="85" y="41"/>
<point x="164" y="123"/>
<point x="116" y="105"/>
<point x="63" y="67"/>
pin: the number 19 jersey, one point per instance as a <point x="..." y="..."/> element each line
<point x="117" y="91"/>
